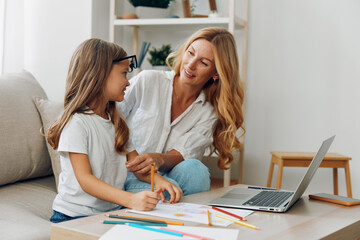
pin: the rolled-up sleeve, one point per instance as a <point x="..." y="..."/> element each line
<point x="193" y="143"/>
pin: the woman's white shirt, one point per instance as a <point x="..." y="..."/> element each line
<point x="94" y="136"/>
<point x="147" y="110"/>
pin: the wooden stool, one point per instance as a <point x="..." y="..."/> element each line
<point x="303" y="159"/>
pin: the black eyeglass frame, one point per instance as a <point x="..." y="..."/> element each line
<point x="133" y="62"/>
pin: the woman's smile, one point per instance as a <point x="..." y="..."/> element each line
<point x="188" y="74"/>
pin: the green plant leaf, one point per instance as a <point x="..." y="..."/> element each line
<point x="158" y="56"/>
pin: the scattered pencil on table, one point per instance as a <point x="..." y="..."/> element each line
<point x="238" y="222"/>
<point x="208" y="215"/>
<point x="135" y="219"/>
<point x="158" y="224"/>
<point x="155" y="229"/>
<point x="152" y="177"/>
<point x="229" y="213"/>
<point x="143" y="219"/>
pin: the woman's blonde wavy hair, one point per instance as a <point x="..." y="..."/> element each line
<point x="226" y="94"/>
<point x="89" y="68"/>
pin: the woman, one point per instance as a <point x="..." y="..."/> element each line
<point x="174" y="116"/>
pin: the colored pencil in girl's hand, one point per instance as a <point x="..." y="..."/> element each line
<point x="152" y="177"/>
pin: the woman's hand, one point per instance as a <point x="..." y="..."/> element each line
<point x="161" y="184"/>
<point x="145" y="200"/>
<point x="141" y="164"/>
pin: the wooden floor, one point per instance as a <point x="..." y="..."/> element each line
<point x="219" y="182"/>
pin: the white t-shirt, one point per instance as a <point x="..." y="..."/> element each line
<point x="94" y="136"/>
<point x="147" y="110"/>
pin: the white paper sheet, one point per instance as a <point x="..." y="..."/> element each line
<point x="127" y="232"/>
<point x="193" y="213"/>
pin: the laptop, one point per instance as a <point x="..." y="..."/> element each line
<point x="268" y="199"/>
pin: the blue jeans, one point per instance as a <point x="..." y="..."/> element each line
<point x="60" y="217"/>
<point x="191" y="176"/>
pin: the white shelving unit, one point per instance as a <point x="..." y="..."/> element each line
<point x="173" y="21"/>
<point x="231" y="22"/>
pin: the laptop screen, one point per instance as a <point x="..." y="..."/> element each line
<point x="314" y="165"/>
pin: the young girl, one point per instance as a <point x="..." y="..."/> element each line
<point x="91" y="137"/>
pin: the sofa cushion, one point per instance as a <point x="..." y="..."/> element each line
<point x="23" y="149"/>
<point x="49" y="112"/>
<point x="26" y="208"/>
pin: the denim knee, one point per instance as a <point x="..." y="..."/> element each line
<point x="192" y="175"/>
<point x="60" y="217"/>
<point x="135" y="185"/>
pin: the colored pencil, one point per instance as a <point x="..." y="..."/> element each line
<point x="154" y="229"/>
<point x="152" y="177"/>
<point x="238" y="222"/>
<point x="186" y="234"/>
<point x="143" y="219"/>
<point x="160" y="224"/>
<point x="208" y="215"/>
<point x="136" y="219"/>
<point x="228" y="213"/>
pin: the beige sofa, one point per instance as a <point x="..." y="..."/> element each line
<point x="27" y="182"/>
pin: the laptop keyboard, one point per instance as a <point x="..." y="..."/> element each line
<point x="268" y="198"/>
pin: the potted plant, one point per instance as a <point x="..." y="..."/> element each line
<point x="151" y="8"/>
<point x="158" y="57"/>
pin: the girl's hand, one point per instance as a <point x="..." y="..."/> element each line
<point x="142" y="163"/>
<point x="161" y="184"/>
<point x="145" y="200"/>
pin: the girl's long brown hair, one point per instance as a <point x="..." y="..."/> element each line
<point x="89" y="68"/>
<point x="226" y="94"/>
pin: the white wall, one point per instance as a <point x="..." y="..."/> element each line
<point x="100" y="19"/>
<point x="303" y="86"/>
<point x="41" y="36"/>
<point x="53" y="29"/>
<point x="2" y="30"/>
<point x="13" y="38"/>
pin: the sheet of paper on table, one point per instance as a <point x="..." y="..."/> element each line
<point x="127" y="232"/>
<point x="193" y="213"/>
